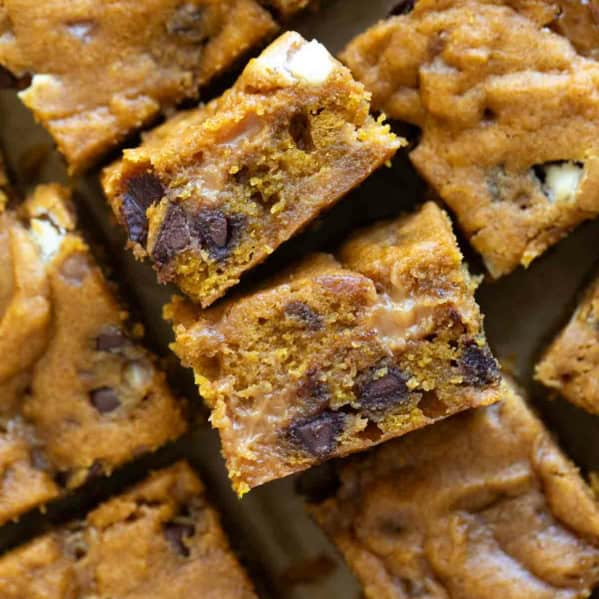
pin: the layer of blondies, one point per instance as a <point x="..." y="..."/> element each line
<point x="101" y="70"/>
<point x="509" y="114"/>
<point x="78" y="393"/>
<point x="571" y="364"/>
<point x="340" y="353"/>
<point x="481" y="506"/>
<point x="214" y="191"/>
<point x="160" y="540"/>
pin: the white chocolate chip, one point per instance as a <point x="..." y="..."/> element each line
<point x="81" y="30"/>
<point x="42" y="86"/>
<point x="138" y="375"/>
<point x="312" y="62"/>
<point x="291" y="58"/>
<point x="562" y="181"/>
<point x="47" y="237"/>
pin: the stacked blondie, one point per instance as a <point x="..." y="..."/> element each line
<point x="374" y="348"/>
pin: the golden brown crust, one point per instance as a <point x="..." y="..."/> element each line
<point x="571" y="363"/>
<point x="79" y="394"/>
<point x="214" y="191"/>
<point x="482" y="505"/>
<point x="509" y="116"/>
<point x="103" y="69"/>
<point x="161" y="540"/>
<point x="338" y="354"/>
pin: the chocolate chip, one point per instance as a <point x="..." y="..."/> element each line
<point x="299" y="129"/>
<point x="539" y="172"/>
<point x="143" y="190"/>
<point x="217" y="232"/>
<point x="104" y="399"/>
<point x="317" y="435"/>
<point x="478" y="365"/>
<point x="110" y="340"/>
<point x="302" y="312"/>
<point x="187" y="23"/>
<point x="173" y="237"/>
<point x="175" y="532"/>
<point x="377" y="395"/>
<point x="402" y="8"/>
<point x="214" y="227"/>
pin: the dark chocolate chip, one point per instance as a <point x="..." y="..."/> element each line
<point x="188" y="24"/>
<point x="173" y="237"/>
<point x="214" y="227"/>
<point x="104" y="399"/>
<point x="378" y="395"/>
<point x="302" y="312"/>
<point x="110" y="340"/>
<point x="318" y="435"/>
<point x="175" y="532"/>
<point x="143" y="190"/>
<point x="402" y="8"/>
<point x="478" y="365"/>
<point x="299" y="129"/>
<point x="217" y="232"/>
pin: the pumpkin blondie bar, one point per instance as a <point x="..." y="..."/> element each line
<point x="571" y="364"/>
<point x="340" y="353"/>
<point x="78" y="394"/>
<point x="160" y="539"/>
<point x="481" y="506"/>
<point x="214" y="191"/>
<point x="509" y="115"/>
<point x="101" y="70"/>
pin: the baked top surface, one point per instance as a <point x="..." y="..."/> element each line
<point x="571" y="363"/>
<point x="509" y="114"/>
<point x="103" y="69"/>
<point x="79" y="395"/>
<point x="161" y="540"/>
<point x="483" y="504"/>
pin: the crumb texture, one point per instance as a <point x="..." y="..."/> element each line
<point x="508" y="110"/>
<point x="214" y="191"/>
<point x="160" y="540"/>
<point x="571" y="363"/>
<point x="340" y="353"/>
<point x="100" y="70"/>
<point x="482" y="505"/>
<point x="78" y="393"/>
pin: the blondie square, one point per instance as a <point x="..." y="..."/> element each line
<point x="160" y="540"/>
<point x="508" y="112"/>
<point x="78" y="393"/>
<point x="481" y="506"/>
<point x="571" y="363"/>
<point x="341" y="353"/>
<point x="101" y="70"/>
<point x="214" y="191"/>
